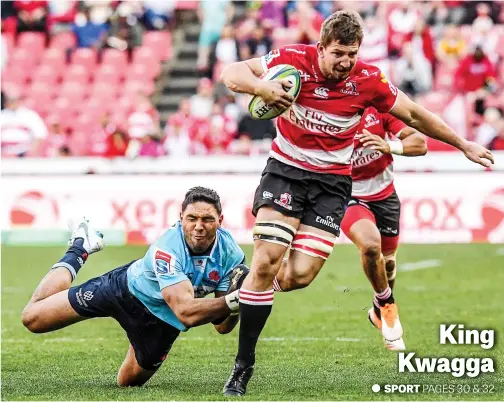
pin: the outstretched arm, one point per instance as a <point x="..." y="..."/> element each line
<point x="432" y="126"/>
<point x="193" y="312"/>
<point x="412" y="143"/>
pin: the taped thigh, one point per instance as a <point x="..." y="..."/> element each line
<point x="277" y="232"/>
<point x="313" y="244"/>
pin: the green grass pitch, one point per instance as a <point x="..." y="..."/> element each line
<point x="317" y="344"/>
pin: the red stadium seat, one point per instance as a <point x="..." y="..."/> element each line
<point x="107" y="73"/>
<point x="114" y="57"/>
<point x="75" y="91"/>
<point x="134" y="87"/>
<point x="15" y="75"/>
<point x="42" y="108"/>
<point x="160" y="42"/>
<point x="33" y="42"/>
<point x="77" y="73"/>
<point x="444" y="79"/>
<point x="53" y="57"/>
<point x="41" y="91"/>
<point x="143" y="71"/>
<point x="105" y="93"/>
<point x="65" y="108"/>
<point x="9" y="40"/>
<point x="63" y="40"/>
<point x="85" y="57"/>
<point x="46" y="73"/>
<point x="145" y="54"/>
<point x="22" y="58"/>
<point x="186" y="5"/>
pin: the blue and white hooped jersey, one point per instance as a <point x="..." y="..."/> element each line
<point x="168" y="262"/>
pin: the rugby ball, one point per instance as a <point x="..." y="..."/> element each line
<point x="258" y="109"/>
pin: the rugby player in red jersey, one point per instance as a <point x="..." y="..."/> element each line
<point x="306" y="184"/>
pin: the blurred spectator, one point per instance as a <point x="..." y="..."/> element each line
<point x="272" y="14"/>
<point x="125" y="32"/>
<point x="401" y="22"/>
<point x="307" y="21"/>
<point x="256" y="129"/>
<point x="117" y="144"/>
<point x="213" y="15"/>
<point x="143" y="127"/>
<point x="177" y="142"/>
<point x="374" y="49"/>
<point x="23" y="130"/>
<point x="99" y="137"/>
<point x="87" y="32"/>
<point x="56" y="143"/>
<point x="482" y="34"/>
<point x="451" y="46"/>
<point x="218" y="131"/>
<point x="158" y="14"/>
<point x="446" y="12"/>
<point x="257" y="45"/>
<point x="61" y="15"/>
<point x="241" y="146"/>
<point x="492" y="126"/>
<point x="202" y="102"/>
<point x="413" y="71"/>
<point x="31" y="15"/>
<point x="475" y="71"/>
<point x="226" y="49"/>
<point x="421" y="40"/>
<point x="152" y="146"/>
<point x="4" y="53"/>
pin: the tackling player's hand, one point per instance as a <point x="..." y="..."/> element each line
<point x="274" y="93"/>
<point x="478" y="154"/>
<point x="373" y="141"/>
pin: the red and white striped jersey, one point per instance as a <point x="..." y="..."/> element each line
<point x="317" y="132"/>
<point x="372" y="178"/>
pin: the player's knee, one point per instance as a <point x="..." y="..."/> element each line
<point x="371" y="250"/>
<point x="31" y="320"/>
<point x="296" y="280"/>
<point x="267" y="261"/>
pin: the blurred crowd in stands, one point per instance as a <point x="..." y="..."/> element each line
<point x="78" y="77"/>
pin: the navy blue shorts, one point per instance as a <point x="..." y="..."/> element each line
<point x="108" y="296"/>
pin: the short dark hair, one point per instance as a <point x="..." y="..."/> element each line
<point x="203" y="194"/>
<point x="344" y="26"/>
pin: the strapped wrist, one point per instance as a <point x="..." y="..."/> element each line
<point x="396" y="147"/>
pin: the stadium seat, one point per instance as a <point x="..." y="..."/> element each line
<point x="42" y="108"/>
<point x="63" y="41"/>
<point x="65" y="107"/>
<point x="109" y="73"/>
<point x="143" y="71"/>
<point x="15" y="75"/>
<point x="114" y="57"/>
<point x="75" y="91"/>
<point x="46" y="73"/>
<point x="41" y="91"/>
<point x="53" y="57"/>
<point x="186" y="5"/>
<point x="160" y="42"/>
<point x="444" y="78"/>
<point x="9" y="40"/>
<point x="145" y="54"/>
<point x="133" y="87"/>
<point x="22" y="58"/>
<point x="32" y="42"/>
<point x="77" y="73"/>
<point x="85" y="57"/>
<point x="104" y="93"/>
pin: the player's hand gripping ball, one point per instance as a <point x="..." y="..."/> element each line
<point x="277" y="97"/>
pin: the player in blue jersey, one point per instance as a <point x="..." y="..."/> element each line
<point x="155" y="297"/>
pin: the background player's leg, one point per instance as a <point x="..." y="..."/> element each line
<point x="365" y="235"/>
<point x="360" y="227"/>
<point x="131" y="374"/>
<point x="389" y="250"/>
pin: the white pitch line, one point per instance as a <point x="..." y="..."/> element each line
<point x="424" y="264"/>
